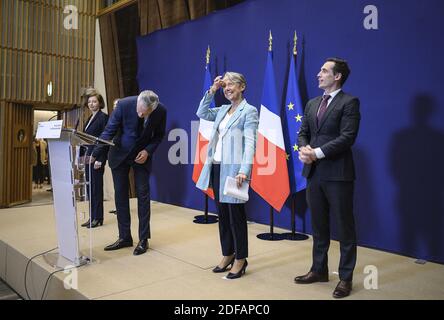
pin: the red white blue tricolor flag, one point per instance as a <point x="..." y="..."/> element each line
<point x="270" y="173"/>
<point x="205" y="128"/>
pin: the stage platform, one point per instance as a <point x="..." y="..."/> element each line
<point x="179" y="262"/>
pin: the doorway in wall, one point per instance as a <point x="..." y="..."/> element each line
<point x="41" y="173"/>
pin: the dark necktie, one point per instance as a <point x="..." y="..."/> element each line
<point x="323" y="108"/>
<point x="140" y="126"/>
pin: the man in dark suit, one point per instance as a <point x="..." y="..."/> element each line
<point x="328" y="131"/>
<point x="141" y="123"/>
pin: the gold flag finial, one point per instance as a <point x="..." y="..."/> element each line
<point x="270" y="40"/>
<point x="295" y="52"/>
<point x="208" y="55"/>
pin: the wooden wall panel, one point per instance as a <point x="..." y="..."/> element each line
<point x="15" y="149"/>
<point x="70" y="117"/>
<point x="2" y="154"/>
<point x="33" y="40"/>
<point x="109" y="59"/>
<point x="35" y="47"/>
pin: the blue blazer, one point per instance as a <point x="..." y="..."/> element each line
<point x="95" y="129"/>
<point x="238" y="143"/>
<point x="132" y="136"/>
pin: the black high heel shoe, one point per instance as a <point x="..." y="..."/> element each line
<point x="219" y="270"/>
<point x="85" y="224"/>
<point x="95" y="224"/>
<point x="240" y="273"/>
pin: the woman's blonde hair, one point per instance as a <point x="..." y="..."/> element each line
<point x="236" y="77"/>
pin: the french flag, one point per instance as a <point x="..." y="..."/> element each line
<point x="270" y="174"/>
<point x="203" y="137"/>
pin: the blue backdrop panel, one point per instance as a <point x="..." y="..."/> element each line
<point x="396" y="72"/>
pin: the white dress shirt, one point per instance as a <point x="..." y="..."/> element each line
<point x="90" y="121"/>
<point x="223" y="124"/>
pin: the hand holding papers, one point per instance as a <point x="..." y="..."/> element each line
<point x="231" y="189"/>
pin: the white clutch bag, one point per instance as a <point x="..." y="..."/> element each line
<point x="231" y="189"/>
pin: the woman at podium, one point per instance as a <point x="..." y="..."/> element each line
<point x="94" y="126"/>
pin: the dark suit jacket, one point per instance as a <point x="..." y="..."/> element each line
<point x="132" y="136"/>
<point x="335" y="135"/>
<point x="95" y="129"/>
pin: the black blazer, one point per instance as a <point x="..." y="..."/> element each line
<point x="95" y="129"/>
<point x="335" y="135"/>
<point x="130" y="135"/>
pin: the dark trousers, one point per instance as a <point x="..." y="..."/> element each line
<point x="96" y="197"/>
<point x="38" y="173"/>
<point x="232" y="222"/>
<point x="121" y="189"/>
<point x="332" y="199"/>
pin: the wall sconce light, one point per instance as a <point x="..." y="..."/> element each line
<point x="49" y="89"/>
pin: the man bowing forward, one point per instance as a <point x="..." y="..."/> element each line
<point x="139" y="123"/>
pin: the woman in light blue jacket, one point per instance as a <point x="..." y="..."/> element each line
<point x="230" y="154"/>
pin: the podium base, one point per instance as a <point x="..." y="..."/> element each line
<point x="57" y="261"/>
<point x="209" y="219"/>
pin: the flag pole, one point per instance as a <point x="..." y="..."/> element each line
<point x="270" y="236"/>
<point x="294" y="236"/>
<point x="271" y="222"/>
<point x="205" y="218"/>
<point x="293" y="216"/>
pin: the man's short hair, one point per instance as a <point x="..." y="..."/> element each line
<point x="341" y="66"/>
<point x="149" y="99"/>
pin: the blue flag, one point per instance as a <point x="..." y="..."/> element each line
<point x="294" y="112"/>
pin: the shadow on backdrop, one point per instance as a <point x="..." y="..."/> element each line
<point x="364" y="202"/>
<point x="417" y="166"/>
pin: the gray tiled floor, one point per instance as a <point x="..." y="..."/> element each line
<point x="6" y="293"/>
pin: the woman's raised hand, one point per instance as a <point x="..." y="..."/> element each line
<point x="216" y="84"/>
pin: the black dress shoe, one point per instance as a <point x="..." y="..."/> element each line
<point x="343" y="289"/>
<point x="141" y="247"/>
<point x="95" y="224"/>
<point x="219" y="270"/>
<point x="311" y="277"/>
<point x="240" y="273"/>
<point x="85" y="224"/>
<point x="119" y="244"/>
<point x="114" y="211"/>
